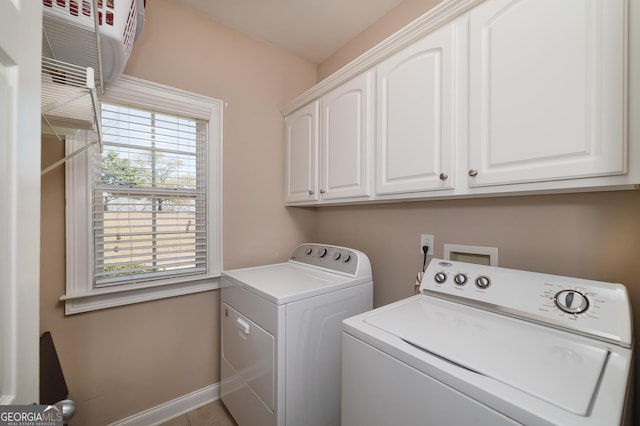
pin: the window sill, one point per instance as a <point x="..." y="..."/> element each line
<point x="110" y="297"/>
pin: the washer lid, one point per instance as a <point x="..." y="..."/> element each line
<point x="558" y="367"/>
<point x="287" y="282"/>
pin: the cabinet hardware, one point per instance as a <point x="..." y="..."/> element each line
<point x="473" y="172"/>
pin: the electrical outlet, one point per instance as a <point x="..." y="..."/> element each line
<point x="427" y="240"/>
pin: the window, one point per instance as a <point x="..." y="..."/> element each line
<point x="143" y="215"/>
<point x="149" y="196"/>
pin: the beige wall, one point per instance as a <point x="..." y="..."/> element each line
<point x="183" y="49"/>
<point x="394" y="20"/>
<point x="122" y="361"/>
<point x="592" y="235"/>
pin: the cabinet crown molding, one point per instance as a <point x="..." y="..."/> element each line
<point x="433" y="19"/>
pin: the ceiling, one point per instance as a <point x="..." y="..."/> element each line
<point x="311" y="29"/>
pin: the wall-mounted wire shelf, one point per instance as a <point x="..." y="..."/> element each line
<point x="91" y="33"/>
<point x="69" y="102"/>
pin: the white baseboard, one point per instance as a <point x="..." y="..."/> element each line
<point x="174" y="408"/>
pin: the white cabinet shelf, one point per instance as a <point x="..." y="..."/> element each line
<point x="328" y="145"/>
<point x="486" y="98"/>
<point x="345" y="139"/>
<point x="415" y="116"/>
<point x="549" y="106"/>
<point x="301" y="140"/>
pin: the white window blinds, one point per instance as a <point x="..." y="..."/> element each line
<point x="149" y="215"/>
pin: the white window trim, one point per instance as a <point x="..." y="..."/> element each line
<point x="80" y="295"/>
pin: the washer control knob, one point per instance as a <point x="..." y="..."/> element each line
<point x="336" y="256"/>
<point x="460" y="279"/>
<point x="346" y="258"/>
<point x="483" y="282"/>
<point x="323" y="252"/>
<point x="571" y="301"/>
<point x="440" y="277"/>
<point x="309" y="251"/>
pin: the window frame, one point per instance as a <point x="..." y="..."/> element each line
<point x="81" y="296"/>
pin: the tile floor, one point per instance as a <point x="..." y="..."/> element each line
<point x="214" y="414"/>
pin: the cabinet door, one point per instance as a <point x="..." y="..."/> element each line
<point x="546" y="90"/>
<point x="301" y="176"/>
<point x="345" y="139"/>
<point x="415" y="112"/>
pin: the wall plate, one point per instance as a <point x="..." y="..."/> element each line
<point x="471" y="254"/>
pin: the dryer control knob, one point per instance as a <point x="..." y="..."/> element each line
<point x="346" y="258"/>
<point x="336" y="256"/>
<point x="571" y="301"/>
<point x="309" y="251"/>
<point x="323" y="252"/>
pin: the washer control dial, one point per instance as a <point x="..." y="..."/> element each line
<point x="336" y="256"/>
<point x="308" y="251"/>
<point x="483" y="281"/>
<point x="323" y="252"/>
<point x="571" y="301"/>
<point x="440" y="277"/>
<point x="460" y="279"/>
<point x="346" y="258"/>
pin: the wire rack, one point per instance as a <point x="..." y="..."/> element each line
<point x="91" y="33"/>
<point x="69" y="102"/>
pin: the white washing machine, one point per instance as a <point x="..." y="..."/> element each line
<point x="281" y="335"/>
<point x="491" y="346"/>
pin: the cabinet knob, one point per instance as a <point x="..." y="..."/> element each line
<point x="310" y="192"/>
<point x="473" y="172"/>
<point x="444" y="176"/>
<point x="322" y="191"/>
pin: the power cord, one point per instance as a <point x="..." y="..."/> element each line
<point x="425" y="250"/>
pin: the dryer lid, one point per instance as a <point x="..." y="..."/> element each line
<point x="558" y="367"/>
<point x="282" y="283"/>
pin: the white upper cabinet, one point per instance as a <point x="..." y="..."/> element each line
<point x="476" y="98"/>
<point x="415" y="116"/>
<point x="547" y="90"/>
<point x="345" y="139"/>
<point x="301" y="135"/>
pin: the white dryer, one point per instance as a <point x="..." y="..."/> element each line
<point x="281" y="335"/>
<point x="491" y="346"/>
